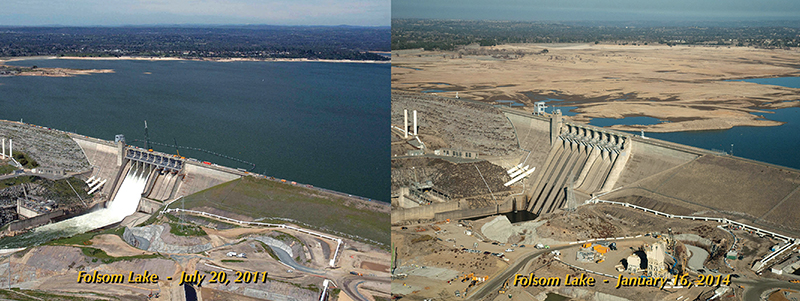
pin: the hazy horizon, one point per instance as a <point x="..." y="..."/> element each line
<point x="91" y="13"/>
<point x="610" y="10"/>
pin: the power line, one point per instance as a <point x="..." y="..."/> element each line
<point x="252" y="165"/>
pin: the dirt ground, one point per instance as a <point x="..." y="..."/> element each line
<point x="685" y="85"/>
<point x="458" y="180"/>
<point x="449" y="123"/>
<point x="427" y="257"/>
<point x="114" y="246"/>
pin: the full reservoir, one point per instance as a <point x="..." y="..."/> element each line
<point x="316" y="123"/>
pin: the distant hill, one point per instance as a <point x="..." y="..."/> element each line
<point x="449" y="34"/>
<point x="256" y="41"/>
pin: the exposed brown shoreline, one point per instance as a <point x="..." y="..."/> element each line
<point x="687" y="86"/>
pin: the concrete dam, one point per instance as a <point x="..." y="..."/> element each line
<point x="582" y="158"/>
<point x="127" y="180"/>
<point x="167" y="176"/>
<point x="575" y="162"/>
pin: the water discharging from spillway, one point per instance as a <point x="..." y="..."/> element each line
<point x="124" y="204"/>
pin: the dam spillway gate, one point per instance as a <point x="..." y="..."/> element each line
<point x="583" y="158"/>
<point x="165" y="172"/>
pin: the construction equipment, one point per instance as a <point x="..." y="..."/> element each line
<point x="504" y="287"/>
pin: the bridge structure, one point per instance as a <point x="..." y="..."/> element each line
<point x="159" y="161"/>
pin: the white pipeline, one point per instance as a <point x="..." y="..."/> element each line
<point x="519" y="171"/>
<point x="97" y="187"/>
<point x="93" y="182"/>
<point x="333" y="260"/>
<point x="514" y="168"/>
<point x="322" y="297"/>
<point x="338" y="240"/>
<point x="520" y="177"/>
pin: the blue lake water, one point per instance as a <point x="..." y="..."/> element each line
<point x="641" y="120"/>
<point x="775" y="144"/>
<point x="791" y="82"/>
<point x="323" y="124"/>
<point x="555" y="104"/>
<point x="434" y="91"/>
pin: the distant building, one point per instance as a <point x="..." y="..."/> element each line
<point x="415" y="152"/>
<point x="539" y="107"/>
<point x="454" y="152"/>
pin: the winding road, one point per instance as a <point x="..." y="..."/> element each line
<point x="495" y="283"/>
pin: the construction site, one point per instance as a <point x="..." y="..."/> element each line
<point x="483" y="192"/>
<point x="77" y="206"/>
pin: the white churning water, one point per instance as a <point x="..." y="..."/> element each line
<point x="124" y="204"/>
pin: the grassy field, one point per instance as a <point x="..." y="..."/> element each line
<point x="6" y="169"/>
<point x="186" y="230"/>
<point x="102" y="256"/>
<point x="261" y="198"/>
<point x="85" y="238"/>
<point x="37" y="295"/>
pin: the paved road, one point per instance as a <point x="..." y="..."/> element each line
<point x="495" y="283"/>
<point x="756" y="287"/>
<point x="350" y="285"/>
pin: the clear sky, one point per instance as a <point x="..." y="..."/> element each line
<point x="150" y="12"/>
<point x="599" y="10"/>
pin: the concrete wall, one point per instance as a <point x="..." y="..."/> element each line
<point x="648" y="159"/>
<point x="102" y="155"/>
<point x="422" y="212"/>
<point x="466" y="213"/>
<point x="533" y="134"/>
<point x="275" y="244"/>
<point x="25" y="212"/>
<point x="148" y="206"/>
<point x="200" y="176"/>
<point x="34" y="222"/>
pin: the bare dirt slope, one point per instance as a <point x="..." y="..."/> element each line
<point x="445" y="122"/>
<point x="459" y="180"/>
<point x="49" y="148"/>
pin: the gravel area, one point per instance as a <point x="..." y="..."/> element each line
<point x="458" y="180"/>
<point x="50" y="148"/>
<point x="445" y="122"/>
<point x="160" y="240"/>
